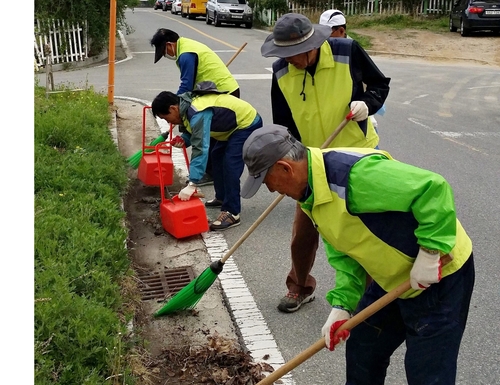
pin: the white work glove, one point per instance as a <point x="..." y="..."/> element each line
<point x="186" y="192"/>
<point x="426" y="270"/>
<point x="336" y="318"/>
<point x="178" y="141"/>
<point x="359" y="110"/>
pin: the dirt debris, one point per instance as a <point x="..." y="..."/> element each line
<point x="219" y="362"/>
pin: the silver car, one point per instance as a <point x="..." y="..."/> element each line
<point x="236" y="12"/>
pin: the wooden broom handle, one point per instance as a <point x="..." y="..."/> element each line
<point x="278" y="199"/>
<point x="349" y="324"/>
<point x="236" y="54"/>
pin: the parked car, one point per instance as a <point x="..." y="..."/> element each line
<point x="475" y="15"/>
<point x="236" y="12"/>
<point x="158" y="4"/>
<point x="193" y="8"/>
<point x="167" y="5"/>
<point x="176" y="7"/>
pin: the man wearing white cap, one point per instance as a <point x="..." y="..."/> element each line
<point x="334" y="19"/>
<point x="316" y="83"/>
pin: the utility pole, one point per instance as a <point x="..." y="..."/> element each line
<point x="111" y="51"/>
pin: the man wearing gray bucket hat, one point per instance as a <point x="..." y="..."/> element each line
<point x="392" y="220"/>
<point x="316" y="82"/>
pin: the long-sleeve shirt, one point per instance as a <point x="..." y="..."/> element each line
<point x="363" y="70"/>
<point x="188" y="65"/>
<point x="375" y="213"/>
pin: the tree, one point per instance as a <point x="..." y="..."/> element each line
<point x="93" y="12"/>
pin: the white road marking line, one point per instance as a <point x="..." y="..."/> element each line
<point x="256" y="335"/>
<point x="418" y="123"/>
<point x="254" y="331"/>
<point x="454" y="134"/>
<point x="416" y="97"/>
<point x="451" y="134"/>
<point x="494" y="85"/>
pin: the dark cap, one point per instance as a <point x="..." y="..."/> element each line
<point x="160" y="40"/>
<point x="262" y="149"/>
<point x="294" y="34"/>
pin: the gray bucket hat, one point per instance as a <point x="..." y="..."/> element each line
<point x="294" y="34"/>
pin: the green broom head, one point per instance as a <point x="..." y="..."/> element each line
<point x="191" y="294"/>
<point x="135" y="159"/>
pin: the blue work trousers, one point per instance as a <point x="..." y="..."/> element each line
<point x="432" y="324"/>
<point x="228" y="165"/>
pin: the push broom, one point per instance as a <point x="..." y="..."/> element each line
<point x="190" y="295"/>
<point x="348" y="325"/>
<point x="135" y="159"/>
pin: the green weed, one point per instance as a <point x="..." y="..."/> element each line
<point x="80" y="254"/>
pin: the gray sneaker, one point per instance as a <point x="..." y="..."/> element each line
<point x="225" y="221"/>
<point x="292" y="301"/>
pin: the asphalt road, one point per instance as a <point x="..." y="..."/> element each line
<point x="441" y="117"/>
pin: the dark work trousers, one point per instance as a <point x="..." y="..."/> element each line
<point x="432" y="324"/>
<point x="228" y="166"/>
<point x="209" y="169"/>
<point x="305" y="240"/>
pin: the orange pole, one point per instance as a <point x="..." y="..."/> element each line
<point x="111" y="50"/>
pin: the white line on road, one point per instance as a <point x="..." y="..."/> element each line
<point x="451" y="134"/>
<point x="416" y="97"/>
<point x="494" y="85"/>
<point x="254" y="331"/>
<point x="418" y="123"/>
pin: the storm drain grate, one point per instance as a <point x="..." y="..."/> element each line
<point x="164" y="284"/>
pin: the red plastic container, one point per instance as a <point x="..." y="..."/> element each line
<point x="181" y="218"/>
<point x="147" y="171"/>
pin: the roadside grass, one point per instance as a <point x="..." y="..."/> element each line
<point x="386" y="23"/>
<point x="82" y="270"/>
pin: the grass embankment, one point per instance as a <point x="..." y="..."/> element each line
<point x="81" y="261"/>
<point x="388" y="22"/>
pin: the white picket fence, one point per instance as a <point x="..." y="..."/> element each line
<point x="356" y="7"/>
<point x="60" y="42"/>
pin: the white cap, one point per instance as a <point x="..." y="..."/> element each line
<point x="332" y="18"/>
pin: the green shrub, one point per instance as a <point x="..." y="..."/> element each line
<point x="80" y="253"/>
